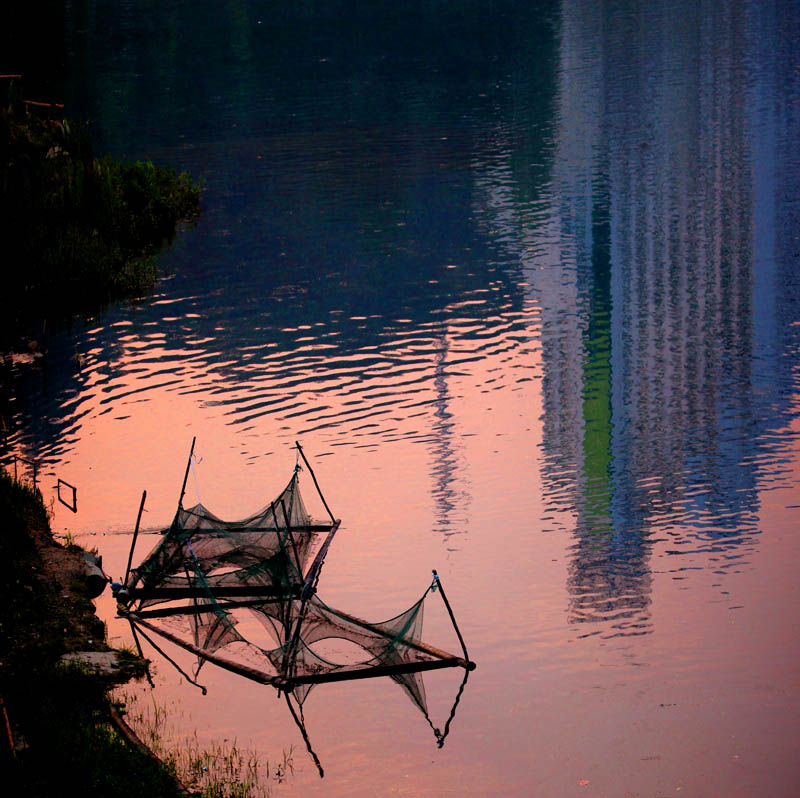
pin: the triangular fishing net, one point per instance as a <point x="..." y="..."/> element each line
<point x="269" y="549"/>
<point x="388" y="646"/>
<point x="207" y="576"/>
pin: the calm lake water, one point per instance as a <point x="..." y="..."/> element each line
<point x="523" y="280"/>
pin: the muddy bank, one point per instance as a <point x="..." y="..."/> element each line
<point x="56" y="667"/>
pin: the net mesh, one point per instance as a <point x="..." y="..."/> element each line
<point x="270" y="548"/>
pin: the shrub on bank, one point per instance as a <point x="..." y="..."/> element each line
<point x="78" y="232"/>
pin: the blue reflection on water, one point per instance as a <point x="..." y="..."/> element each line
<point x="685" y="323"/>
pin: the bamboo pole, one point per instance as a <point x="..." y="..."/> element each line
<point x="375" y="671"/>
<point x="168" y="659"/>
<point x="141" y="654"/>
<point x="287" y="519"/>
<point x="282" y="683"/>
<point x="223" y="591"/>
<point x="302" y="727"/>
<point x="452" y="616"/>
<point x="195" y="609"/>
<point x="222" y="662"/>
<point x="441" y="735"/>
<point x="313" y="572"/>
<point x="186" y="475"/>
<point x="316" y="484"/>
<point x="419" y="646"/>
<point x="308" y="588"/>
<point x="135" y="535"/>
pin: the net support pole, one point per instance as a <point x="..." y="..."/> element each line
<point x="301" y="725"/>
<point x="313" y="477"/>
<point x="135" y="535"/>
<point x="308" y="589"/>
<point x="416" y="645"/>
<point x="452" y="616"/>
<point x="141" y="655"/>
<point x="291" y="538"/>
<point x="222" y="662"/>
<point x="186" y="475"/>
<point x="167" y="658"/>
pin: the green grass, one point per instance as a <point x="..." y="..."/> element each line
<point x="213" y="770"/>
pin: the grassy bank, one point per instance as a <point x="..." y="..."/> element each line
<point x="58" y="715"/>
<point x="78" y="232"/>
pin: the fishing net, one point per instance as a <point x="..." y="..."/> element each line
<point x="270" y="548"/>
<point x="386" y="647"/>
<point x="207" y="575"/>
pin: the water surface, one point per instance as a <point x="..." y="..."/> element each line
<point x="523" y="280"/>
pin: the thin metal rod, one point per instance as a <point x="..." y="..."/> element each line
<point x="135" y="535"/>
<point x="452" y="617"/>
<point x="316" y="484"/>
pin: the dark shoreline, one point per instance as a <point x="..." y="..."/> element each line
<point x="60" y="726"/>
<point x="80" y="234"/>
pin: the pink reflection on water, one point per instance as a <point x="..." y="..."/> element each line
<point x="707" y="703"/>
<point x="368" y="735"/>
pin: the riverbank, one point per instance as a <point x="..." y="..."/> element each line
<point x="58" y="724"/>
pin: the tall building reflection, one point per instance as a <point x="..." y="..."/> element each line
<point x="662" y="274"/>
<point x="449" y="499"/>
